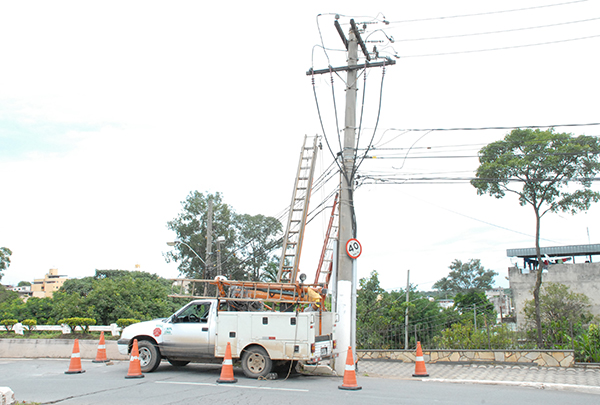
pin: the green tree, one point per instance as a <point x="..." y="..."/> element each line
<point x="130" y="297"/>
<point x="7" y="295"/>
<point x="563" y="314"/>
<point x="23" y="284"/>
<point x="190" y="227"/>
<point x="65" y="305"/>
<point x="39" y="309"/>
<point x="257" y="237"/>
<point x="79" y="286"/>
<point x="465" y="277"/>
<point x="475" y="304"/>
<point x="380" y="316"/>
<point x="9" y="303"/>
<point x="372" y="304"/>
<point x="5" y="254"/>
<point x="540" y="168"/>
<point x="271" y="271"/>
<point x="247" y="246"/>
<point x="115" y="294"/>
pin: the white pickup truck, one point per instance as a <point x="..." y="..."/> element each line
<point x="263" y="340"/>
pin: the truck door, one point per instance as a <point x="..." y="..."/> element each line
<point x="188" y="333"/>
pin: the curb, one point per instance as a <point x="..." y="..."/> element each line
<point x="590" y="389"/>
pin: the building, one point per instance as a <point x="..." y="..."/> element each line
<point x="501" y="300"/>
<point x="45" y="287"/>
<point x="568" y="265"/>
<point x="445" y="303"/>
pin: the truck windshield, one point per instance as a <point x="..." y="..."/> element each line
<point x="192" y="313"/>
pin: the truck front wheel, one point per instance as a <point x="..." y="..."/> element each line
<point x="149" y="356"/>
<point x="256" y="362"/>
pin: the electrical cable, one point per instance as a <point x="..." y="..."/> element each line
<point x="503" y="128"/>
<point x="485" y="13"/>
<point x="502" y="48"/>
<point x="356" y="166"/>
<point x="496" y="32"/>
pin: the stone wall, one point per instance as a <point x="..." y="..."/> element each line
<point x="544" y="358"/>
<point x="581" y="278"/>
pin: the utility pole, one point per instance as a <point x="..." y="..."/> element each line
<point x="406" y="312"/>
<point x="346" y="266"/>
<point x="345" y="285"/>
<point x="209" y="220"/>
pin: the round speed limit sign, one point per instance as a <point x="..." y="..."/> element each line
<point x="353" y="248"/>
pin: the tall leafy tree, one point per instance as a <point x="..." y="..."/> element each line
<point x="5" y="254"/>
<point x="475" y="302"/>
<point x="190" y="226"/>
<point x="248" y="241"/>
<point x="257" y="237"/>
<point x="465" y="277"/>
<point x="549" y="171"/>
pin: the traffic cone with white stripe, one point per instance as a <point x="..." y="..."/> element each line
<point x="420" y="370"/>
<point x="75" y="364"/>
<point x="349" y="374"/>
<point x="135" y="369"/>
<point x="101" y="354"/>
<point x="227" y="368"/>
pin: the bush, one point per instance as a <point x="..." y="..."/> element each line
<point x="464" y="336"/>
<point x="30" y="324"/>
<point x="83" y="323"/>
<point x="9" y="323"/>
<point x="587" y="345"/>
<point x="125" y="322"/>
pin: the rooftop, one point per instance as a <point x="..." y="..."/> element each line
<point x="553" y="251"/>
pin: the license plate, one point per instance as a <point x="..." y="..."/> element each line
<point x="323" y="351"/>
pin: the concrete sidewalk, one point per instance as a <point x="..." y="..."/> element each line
<point x="584" y="379"/>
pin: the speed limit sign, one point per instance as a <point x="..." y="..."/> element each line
<point x="353" y="248"/>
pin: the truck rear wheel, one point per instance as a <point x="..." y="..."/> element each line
<point x="256" y="362"/>
<point x="149" y="356"/>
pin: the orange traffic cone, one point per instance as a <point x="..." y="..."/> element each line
<point x="420" y="370"/>
<point x="227" y="369"/>
<point x="75" y="365"/>
<point x="349" y="374"/>
<point x="135" y="369"/>
<point x="101" y="355"/>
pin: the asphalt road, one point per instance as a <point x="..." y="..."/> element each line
<point x="44" y="381"/>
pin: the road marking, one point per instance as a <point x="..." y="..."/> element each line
<point x="231" y="386"/>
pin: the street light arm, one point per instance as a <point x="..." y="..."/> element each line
<point x="178" y="242"/>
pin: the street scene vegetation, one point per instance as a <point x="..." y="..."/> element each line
<point x="550" y="171"/>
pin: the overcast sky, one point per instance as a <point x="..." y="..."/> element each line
<point x="111" y="112"/>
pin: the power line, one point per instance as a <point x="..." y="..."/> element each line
<point x="495" y="32"/>
<point x="490" y="128"/>
<point x="501" y="48"/>
<point x="485" y="13"/>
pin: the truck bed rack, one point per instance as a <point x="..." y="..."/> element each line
<point x="226" y="290"/>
